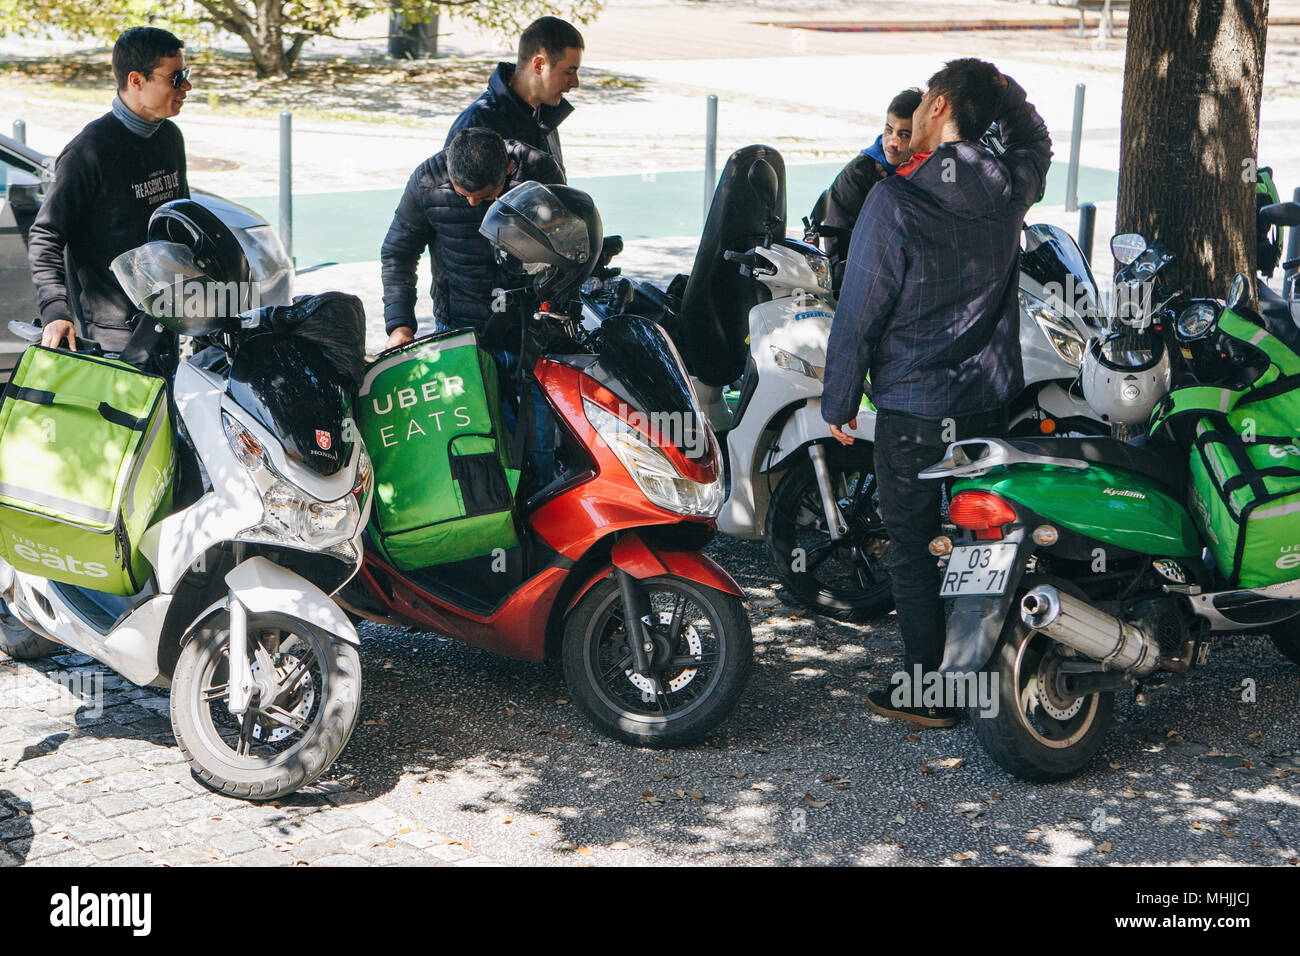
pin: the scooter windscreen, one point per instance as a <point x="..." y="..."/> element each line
<point x="288" y="385"/>
<point x="1053" y="260"/>
<point x="639" y="364"/>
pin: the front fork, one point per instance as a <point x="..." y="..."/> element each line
<point x="835" y="522"/>
<point x="638" y="642"/>
<point x="240" y="693"/>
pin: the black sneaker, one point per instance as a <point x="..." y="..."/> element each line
<point x="880" y="702"/>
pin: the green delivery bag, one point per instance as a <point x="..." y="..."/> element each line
<point x="444" y="490"/>
<point x="1245" y="461"/>
<point x="86" y="464"/>
<point x="1246" y="499"/>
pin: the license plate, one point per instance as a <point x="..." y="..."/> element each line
<point x="981" y="569"/>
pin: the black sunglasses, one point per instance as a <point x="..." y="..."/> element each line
<point x="178" y="78"/>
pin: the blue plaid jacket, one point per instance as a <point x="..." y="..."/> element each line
<point x="928" y="304"/>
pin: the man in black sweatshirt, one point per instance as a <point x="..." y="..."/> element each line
<point x="108" y="181"/>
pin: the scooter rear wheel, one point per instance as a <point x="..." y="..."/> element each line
<point x="844" y="579"/>
<point x="1034" y="734"/>
<point x="306" y="702"/>
<point x="703" y="650"/>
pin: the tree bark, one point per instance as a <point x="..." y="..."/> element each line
<point x="1193" y="75"/>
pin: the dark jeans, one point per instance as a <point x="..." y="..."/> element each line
<point x="910" y="508"/>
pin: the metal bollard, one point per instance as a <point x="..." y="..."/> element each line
<point x="1087" y="229"/>
<point x="710" y="150"/>
<point x="20" y="131"/>
<point x="1076" y="140"/>
<point x="286" y="182"/>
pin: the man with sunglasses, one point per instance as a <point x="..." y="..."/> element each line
<point x="108" y="181"/>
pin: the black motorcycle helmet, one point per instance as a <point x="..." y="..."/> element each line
<point x="216" y="250"/>
<point x="554" y="232"/>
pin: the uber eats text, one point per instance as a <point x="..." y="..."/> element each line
<point x="439" y="388"/>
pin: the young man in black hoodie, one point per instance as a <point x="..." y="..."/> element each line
<point x="525" y="100"/>
<point x="929" y="308"/>
<point x="107" y="182"/>
<point x="848" y="192"/>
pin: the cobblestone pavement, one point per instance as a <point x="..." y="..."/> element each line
<point x="463" y="757"/>
<point x="90" y="774"/>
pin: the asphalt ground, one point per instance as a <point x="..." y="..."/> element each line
<point x="496" y="752"/>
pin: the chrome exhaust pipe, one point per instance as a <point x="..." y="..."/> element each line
<point x="1118" y="644"/>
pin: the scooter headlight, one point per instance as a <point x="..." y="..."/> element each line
<point x="1062" y="336"/>
<point x="292" y="516"/>
<point x="821" y="270"/>
<point x="656" y="475"/>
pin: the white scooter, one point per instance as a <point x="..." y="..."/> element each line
<point x="764" y="316"/>
<point x="263" y="667"/>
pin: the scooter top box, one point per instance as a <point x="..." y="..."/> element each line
<point x="444" y="490"/>
<point x="86" y="463"/>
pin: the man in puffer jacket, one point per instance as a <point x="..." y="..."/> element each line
<point x="443" y="205"/>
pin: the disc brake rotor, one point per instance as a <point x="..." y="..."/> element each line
<point x="1056" y="706"/>
<point x="296" y="701"/>
<point x="694" y="647"/>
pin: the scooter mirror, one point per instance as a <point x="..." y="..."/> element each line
<point x="1127" y="246"/>
<point x="763" y="181"/>
<point x="1238" y="291"/>
<point x="1281" y="214"/>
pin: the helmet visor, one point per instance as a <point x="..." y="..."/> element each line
<point x="561" y="235"/>
<point x="164" y="280"/>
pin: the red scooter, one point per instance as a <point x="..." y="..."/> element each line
<point x="608" y="578"/>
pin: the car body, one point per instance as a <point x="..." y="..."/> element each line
<point x="25" y="176"/>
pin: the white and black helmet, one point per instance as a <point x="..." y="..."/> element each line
<point x="1123" y="384"/>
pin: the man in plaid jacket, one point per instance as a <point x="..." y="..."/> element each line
<point x="929" y="310"/>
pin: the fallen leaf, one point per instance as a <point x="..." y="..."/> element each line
<point x="960" y="856"/>
<point x="214" y="854"/>
<point x="508" y="820"/>
<point x="584" y="851"/>
<point x="811" y="801"/>
<point x="1104" y="847"/>
<point x="619" y="845"/>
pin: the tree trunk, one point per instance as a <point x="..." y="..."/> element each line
<point x="1193" y="73"/>
<point x="267" y="46"/>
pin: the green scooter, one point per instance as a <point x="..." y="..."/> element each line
<point x="1082" y="567"/>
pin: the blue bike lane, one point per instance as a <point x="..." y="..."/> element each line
<point x="349" y="226"/>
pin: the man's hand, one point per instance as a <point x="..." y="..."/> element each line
<point x="401" y="335"/>
<point x="837" y="432"/>
<point x="56" y="332"/>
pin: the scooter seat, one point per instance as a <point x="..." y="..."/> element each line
<point x="1165" y="464"/>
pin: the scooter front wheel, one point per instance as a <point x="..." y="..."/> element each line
<point x="699" y="663"/>
<point x="844" y="578"/>
<point x="307" y="695"/>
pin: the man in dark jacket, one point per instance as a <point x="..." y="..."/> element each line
<point x="443" y="205"/>
<point x="848" y="192"/>
<point x="107" y="182"/>
<point x="525" y="100"/>
<point x="929" y="310"/>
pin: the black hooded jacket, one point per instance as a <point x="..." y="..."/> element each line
<point x="433" y="215"/>
<point x="499" y="108"/>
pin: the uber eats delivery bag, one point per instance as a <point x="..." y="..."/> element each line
<point x="86" y="463"/>
<point x="1244" y="492"/>
<point x="444" y="488"/>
